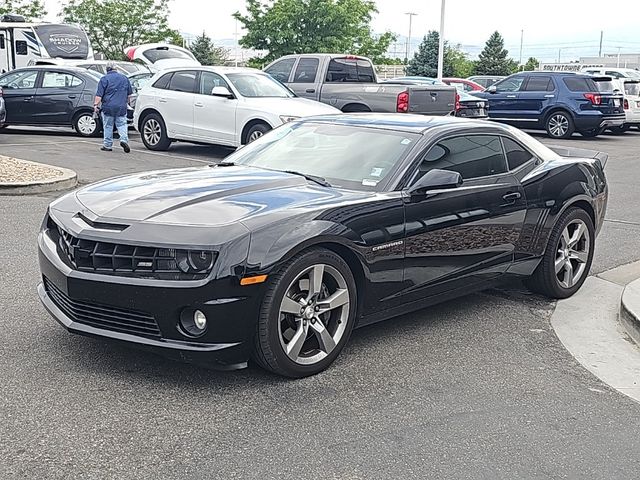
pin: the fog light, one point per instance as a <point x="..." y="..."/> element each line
<point x="193" y="322"/>
<point x="200" y="319"/>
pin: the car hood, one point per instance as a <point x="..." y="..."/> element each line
<point x="294" y="106"/>
<point x="208" y="196"/>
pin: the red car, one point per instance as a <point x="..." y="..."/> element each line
<point x="464" y="84"/>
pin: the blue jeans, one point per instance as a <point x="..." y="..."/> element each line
<point x="107" y="129"/>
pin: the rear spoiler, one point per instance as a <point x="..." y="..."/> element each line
<point x="580" y="153"/>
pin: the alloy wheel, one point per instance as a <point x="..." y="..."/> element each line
<point x="558" y="125"/>
<point x="87" y="125"/>
<point x="256" y="134"/>
<point x="313" y="314"/>
<point x="572" y="254"/>
<point x="152" y="131"/>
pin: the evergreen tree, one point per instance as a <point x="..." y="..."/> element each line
<point x="493" y="60"/>
<point x="531" y="64"/>
<point x="29" y="9"/>
<point x="206" y="52"/>
<point x="425" y="61"/>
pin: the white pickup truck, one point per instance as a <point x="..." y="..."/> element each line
<point x="349" y="83"/>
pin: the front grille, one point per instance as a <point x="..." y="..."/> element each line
<point x="103" y="316"/>
<point x="127" y="260"/>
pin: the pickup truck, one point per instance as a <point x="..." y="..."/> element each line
<point x="350" y="84"/>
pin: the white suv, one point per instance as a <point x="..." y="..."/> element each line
<point x="219" y="105"/>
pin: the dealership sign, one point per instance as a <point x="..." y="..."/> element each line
<point x="567" y="67"/>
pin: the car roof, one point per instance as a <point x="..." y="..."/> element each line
<point x="216" y="69"/>
<point x="401" y="122"/>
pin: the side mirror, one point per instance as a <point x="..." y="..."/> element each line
<point x="221" y="92"/>
<point x="492" y="89"/>
<point x="436" y="179"/>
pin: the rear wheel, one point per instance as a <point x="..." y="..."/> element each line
<point x="154" y="133"/>
<point x="567" y="259"/>
<point x="307" y="314"/>
<point x="85" y="125"/>
<point x="559" y="125"/>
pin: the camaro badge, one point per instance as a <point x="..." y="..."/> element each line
<point x="387" y="245"/>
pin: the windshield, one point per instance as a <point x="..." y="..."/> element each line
<point x="605" y="85"/>
<point x="164" y="53"/>
<point x="354" y="157"/>
<point x="258" y="85"/>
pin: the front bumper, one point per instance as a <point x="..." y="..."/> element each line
<point x="225" y="345"/>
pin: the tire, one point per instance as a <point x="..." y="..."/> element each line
<point x="154" y="133"/>
<point x="86" y="126"/>
<point x="256" y="131"/>
<point x="559" y="124"/>
<point x="552" y="277"/>
<point x="286" y="316"/>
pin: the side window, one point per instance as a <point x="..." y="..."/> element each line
<point x="282" y="69"/>
<point x="183" y="82"/>
<point x="2" y="44"/>
<point x="350" y="70"/>
<point x="163" y="81"/>
<point x="472" y="156"/>
<point x="539" y="83"/>
<point x="306" y="70"/>
<point x="21" y="47"/>
<point x="59" y="80"/>
<point x="579" y="84"/>
<point x="19" y="80"/>
<point x="614" y="74"/>
<point x="509" y="84"/>
<point x="209" y="80"/>
<point x="516" y="154"/>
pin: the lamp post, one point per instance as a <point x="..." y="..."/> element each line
<point x="441" y="45"/>
<point x="411" y="15"/>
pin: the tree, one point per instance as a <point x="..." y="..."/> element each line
<point x="283" y="27"/>
<point x="113" y="25"/>
<point x="425" y="61"/>
<point x="29" y="9"/>
<point x="207" y="53"/>
<point x="493" y="60"/>
<point x="532" y="64"/>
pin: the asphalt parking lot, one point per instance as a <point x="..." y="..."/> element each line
<point x="478" y="388"/>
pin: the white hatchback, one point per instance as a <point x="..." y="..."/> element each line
<point x="218" y="105"/>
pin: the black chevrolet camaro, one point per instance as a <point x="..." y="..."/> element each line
<point x="323" y="225"/>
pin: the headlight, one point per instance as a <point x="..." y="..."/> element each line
<point x="288" y="118"/>
<point x="195" y="261"/>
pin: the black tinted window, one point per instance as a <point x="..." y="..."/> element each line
<point x="516" y="154"/>
<point x="163" y="81"/>
<point x="539" y="84"/>
<point x="21" y="47"/>
<point x="472" y="156"/>
<point x="183" y="82"/>
<point x="580" y="84"/>
<point x="350" y="70"/>
<point x="306" y="70"/>
<point x="282" y="69"/>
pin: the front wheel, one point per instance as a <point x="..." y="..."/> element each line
<point x="85" y="125"/>
<point x="256" y="131"/>
<point x="559" y="125"/>
<point x="567" y="259"/>
<point x="307" y="314"/>
<point x="154" y="133"/>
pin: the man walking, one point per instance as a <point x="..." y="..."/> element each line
<point x="112" y="98"/>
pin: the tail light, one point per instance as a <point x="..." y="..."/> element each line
<point x="594" y="98"/>
<point x="626" y="104"/>
<point x="457" y="101"/>
<point x="402" y="103"/>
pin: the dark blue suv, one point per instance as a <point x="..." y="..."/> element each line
<point x="559" y="102"/>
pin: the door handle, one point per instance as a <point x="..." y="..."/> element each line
<point x="549" y="96"/>
<point x="162" y="100"/>
<point x="310" y="90"/>
<point x="28" y="99"/>
<point x="511" y="198"/>
<point x="198" y="104"/>
<point x="71" y="96"/>
<point x="511" y="96"/>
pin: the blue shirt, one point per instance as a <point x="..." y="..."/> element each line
<point x="114" y="89"/>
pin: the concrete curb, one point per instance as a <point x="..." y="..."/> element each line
<point x="630" y="310"/>
<point x="68" y="179"/>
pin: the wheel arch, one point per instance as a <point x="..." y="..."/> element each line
<point x="354" y="107"/>
<point x="583" y="202"/>
<point x="248" y="125"/>
<point x="558" y="108"/>
<point x="144" y="114"/>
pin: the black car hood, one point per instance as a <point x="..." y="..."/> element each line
<point x="207" y="196"/>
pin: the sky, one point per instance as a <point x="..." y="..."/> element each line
<point x="573" y="26"/>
